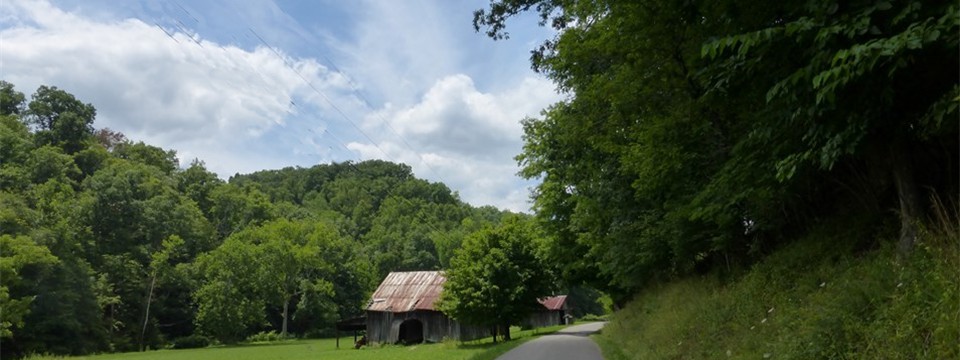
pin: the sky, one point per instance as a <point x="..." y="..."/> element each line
<point x="262" y="84"/>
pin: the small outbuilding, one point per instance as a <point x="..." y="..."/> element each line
<point x="554" y="312"/>
<point x="402" y="310"/>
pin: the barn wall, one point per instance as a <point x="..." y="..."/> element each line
<point x="384" y="327"/>
<point x="544" y="318"/>
<point x="471" y="332"/>
<point x="378" y="326"/>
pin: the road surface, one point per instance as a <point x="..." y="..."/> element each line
<point x="572" y="343"/>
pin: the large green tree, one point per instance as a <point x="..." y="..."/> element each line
<point x="18" y="255"/>
<point x="497" y="276"/>
<point x="294" y="266"/>
<point x="61" y="119"/>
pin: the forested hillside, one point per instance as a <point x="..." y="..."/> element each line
<point x="753" y="179"/>
<point x="700" y="136"/>
<point x="111" y="245"/>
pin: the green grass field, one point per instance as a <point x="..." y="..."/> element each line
<point x="326" y="349"/>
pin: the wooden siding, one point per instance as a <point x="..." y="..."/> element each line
<point x="384" y="327"/>
<point x="544" y="318"/>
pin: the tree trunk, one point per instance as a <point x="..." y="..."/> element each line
<point x="909" y="198"/>
<point x="146" y="315"/>
<point x="286" y="310"/>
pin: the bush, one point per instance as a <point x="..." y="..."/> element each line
<point x="191" y="342"/>
<point x="817" y="298"/>
<point x="266" y="336"/>
<point x="592" y="317"/>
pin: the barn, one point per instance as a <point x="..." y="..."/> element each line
<point x="403" y="310"/>
<point x="554" y="312"/>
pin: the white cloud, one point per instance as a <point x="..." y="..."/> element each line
<point x="182" y="92"/>
<point x="242" y="110"/>
<point x="464" y="137"/>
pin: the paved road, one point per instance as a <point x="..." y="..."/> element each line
<point x="571" y="343"/>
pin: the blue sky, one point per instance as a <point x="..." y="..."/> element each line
<point x="262" y="84"/>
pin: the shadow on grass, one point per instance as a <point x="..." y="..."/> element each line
<point x="520" y="338"/>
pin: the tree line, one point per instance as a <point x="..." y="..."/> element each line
<point x="697" y="136"/>
<point x="110" y="245"/>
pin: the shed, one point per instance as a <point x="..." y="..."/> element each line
<point x="402" y="309"/>
<point x="356" y="325"/>
<point x="554" y="312"/>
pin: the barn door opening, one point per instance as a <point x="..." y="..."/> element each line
<point x="411" y="332"/>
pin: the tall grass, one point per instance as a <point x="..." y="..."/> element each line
<point x="815" y="299"/>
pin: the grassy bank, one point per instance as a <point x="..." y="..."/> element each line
<point x="819" y="298"/>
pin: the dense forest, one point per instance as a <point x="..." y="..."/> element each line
<point x="698" y="136"/>
<point x="111" y="245"/>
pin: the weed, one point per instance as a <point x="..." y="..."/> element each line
<point x="818" y="298"/>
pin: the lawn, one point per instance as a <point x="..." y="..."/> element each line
<point x="326" y="349"/>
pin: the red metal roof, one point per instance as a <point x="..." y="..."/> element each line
<point x="554" y="302"/>
<point x="408" y="291"/>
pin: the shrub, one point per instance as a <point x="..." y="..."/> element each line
<point x="592" y="317"/>
<point x="265" y="336"/>
<point x="191" y="342"/>
<point x="817" y="298"/>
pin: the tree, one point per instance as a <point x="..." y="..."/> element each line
<point x="868" y="80"/>
<point x="234" y="208"/>
<point x="497" y="277"/>
<point x="229" y="298"/>
<point x="18" y="254"/>
<point x="701" y="135"/>
<point x="294" y="266"/>
<point x="16" y="143"/>
<point x="61" y="119"/>
<point x="283" y="264"/>
<point x="106" y="245"/>
<point x="198" y="183"/>
<point x="11" y="101"/>
<point x="165" y="160"/>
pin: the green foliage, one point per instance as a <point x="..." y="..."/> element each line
<point x="230" y="299"/>
<point x="191" y="342"/>
<point x="234" y="208"/>
<point x="815" y="299"/>
<point x="700" y="136"/>
<point x="198" y="183"/>
<point x="18" y="255"/>
<point x="265" y="337"/>
<point x="496" y="278"/>
<point x="287" y="265"/>
<point x="11" y="101"/>
<point x="164" y="160"/>
<point x="146" y="252"/>
<point x="62" y="120"/>
<point x="594" y="317"/>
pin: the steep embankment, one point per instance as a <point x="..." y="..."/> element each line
<point x="819" y="298"/>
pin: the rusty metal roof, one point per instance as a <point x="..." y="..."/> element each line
<point x="408" y="291"/>
<point x="554" y="302"/>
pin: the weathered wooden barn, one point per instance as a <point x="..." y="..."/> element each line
<point x="554" y="312"/>
<point x="403" y="310"/>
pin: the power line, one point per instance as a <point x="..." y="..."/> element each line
<point x="366" y="102"/>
